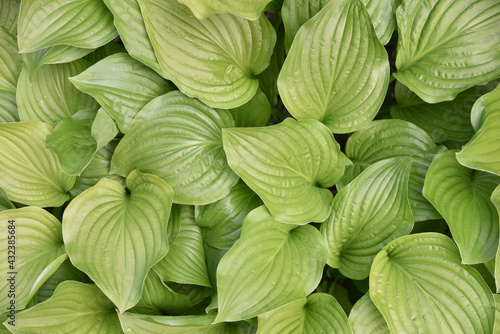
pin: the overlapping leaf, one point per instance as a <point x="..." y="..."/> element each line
<point x="495" y="199"/>
<point x="289" y="165"/>
<point x="128" y="226"/>
<point x="446" y="47"/>
<point x="10" y="68"/>
<point x="5" y="203"/>
<point x="216" y="59"/>
<point x="271" y="265"/>
<point x="383" y="16"/>
<point x="337" y="71"/>
<point x="420" y="286"/>
<point x="462" y="197"/>
<point x="179" y="139"/>
<point x="9" y="11"/>
<point x="250" y="10"/>
<point x="366" y="318"/>
<point x="254" y="113"/>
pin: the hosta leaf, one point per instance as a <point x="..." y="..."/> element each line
<point x="271" y="265"/>
<point x="10" y="68"/>
<point x="318" y="313"/>
<point x="462" y="197"/>
<point x="215" y="60"/>
<point x="122" y="86"/>
<point x="254" y="113"/>
<point x="179" y="139"/>
<point x="361" y="224"/>
<point x="366" y="318"/>
<point x="5" y="203"/>
<point x="31" y="240"/>
<point x="483" y="150"/>
<point x="29" y="172"/>
<point x="74" y="308"/>
<point x="185" y="261"/>
<point x="130" y="24"/>
<point x="383" y="16"/>
<point x="130" y="227"/>
<point x="447" y="46"/>
<point x="448" y="120"/>
<point x="81" y="23"/>
<point x="104" y="51"/>
<point x="103" y="128"/>
<point x="420" y="286"/>
<point x="289" y="165"/>
<point x="49" y="96"/>
<point x="496" y="327"/>
<point x="337" y="71"/>
<point x="495" y="199"/>
<point x="9" y="11"/>
<point x="8" y="106"/>
<point x="250" y="10"/>
<point x="197" y="294"/>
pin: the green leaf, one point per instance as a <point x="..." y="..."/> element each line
<point x="482" y="151"/>
<point x="30" y="173"/>
<point x="495" y="199"/>
<point x="49" y="96"/>
<point x="180" y="140"/>
<point x="85" y="24"/>
<point x="250" y="10"/>
<point x="185" y="261"/>
<point x="361" y="224"/>
<point x="318" y="313"/>
<point x="420" y="286"/>
<point x="9" y="11"/>
<point x="383" y="16"/>
<point x="289" y="165"/>
<point x="5" y="203"/>
<point x="220" y="222"/>
<point x="271" y="265"/>
<point x="215" y="60"/>
<point x="447" y="46"/>
<point x="366" y="318"/>
<point x="462" y="197"/>
<point x="10" y="68"/>
<point x="75" y="307"/>
<point x="31" y="240"/>
<point x="337" y="71"/>
<point x="103" y="128"/>
<point x="496" y="327"/>
<point x="197" y="294"/>
<point x="129" y="227"/>
<point x="254" y="113"/>
<point x="104" y="51"/>
<point x="122" y="86"/>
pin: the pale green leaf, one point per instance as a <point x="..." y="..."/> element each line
<point x="85" y="24"/>
<point x="49" y="96"/>
<point x="10" y="68"/>
<point x="75" y="307"/>
<point x="383" y="16"/>
<point x="104" y="51"/>
<point x="495" y="199"/>
<point x="128" y="226"/>
<point x="366" y="318"/>
<point x="250" y="10"/>
<point x="447" y="46"/>
<point x="185" y="261"/>
<point x="367" y="214"/>
<point x="29" y="172"/>
<point x="5" y="203"/>
<point x="9" y="11"/>
<point x="31" y="241"/>
<point x="289" y="165"/>
<point x="103" y="129"/>
<point x="215" y="60"/>
<point x="180" y="140"/>
<point x="336" y="71"/>
<point x="122" y="86"/>
<point x="256" y="112"/>
<point x="271" y="265"/>
<point x="8" y="106"/>
<point x="318" y="313"/>
<point x="420" y="286"/>
<point x="496" y="327"/>
<point x="462" y="197"/>
<point x="483" y="150"/>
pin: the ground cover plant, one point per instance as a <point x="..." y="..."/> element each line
<point x="231" y="166"/>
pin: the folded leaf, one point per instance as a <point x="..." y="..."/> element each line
<point x="361" y="224"/>
<point x="215" y="60"/>
<point x="420" y="286"/>
<point x="289" y="165"/>
<point x="271" y="265"/>
<point x="180" y="140"/>
<point x="366" y="318"/>
<point x="115" y="236"/>
<point x="447" y="46"/>
<point x="29" y="172"/>
<point x="10" y="68"/>
<point x="250" y="10"/>
<point x="9" y="11"/>
<point x="337" y="71"/>
<point x="81" y="23"/>
<point x="462" y="197"/>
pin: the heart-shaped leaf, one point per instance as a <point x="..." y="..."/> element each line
<point x="128" y="226"/>
<point x="204" y="8"/>
<point x="420" y="286"/>
<point x="483" y="150"/>
<point x="29" y="172"/>
<point x="10" y="68"/>
<point x="271" y="265"/>
<point x="9" y="11"/>
<point x="75" y="307"/>
<point x="337" y="71"/>
<point x="289" y="165"/>
<point x="318" y="313"/>
<point x="361" y="225"/>
<point x="179" y="139"/>
<point x="447" y="46"/>
<point x="366" y="318"/>
<point x="216" y="59"/>
<point x="85" y="24"/>
<point x="462" y="197"/>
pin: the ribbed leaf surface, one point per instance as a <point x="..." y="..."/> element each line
<point x="9" y="11"/>
<point x="366" y="318"/>
<point x="249" y="9"/>
<point x="10" y="68"/>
